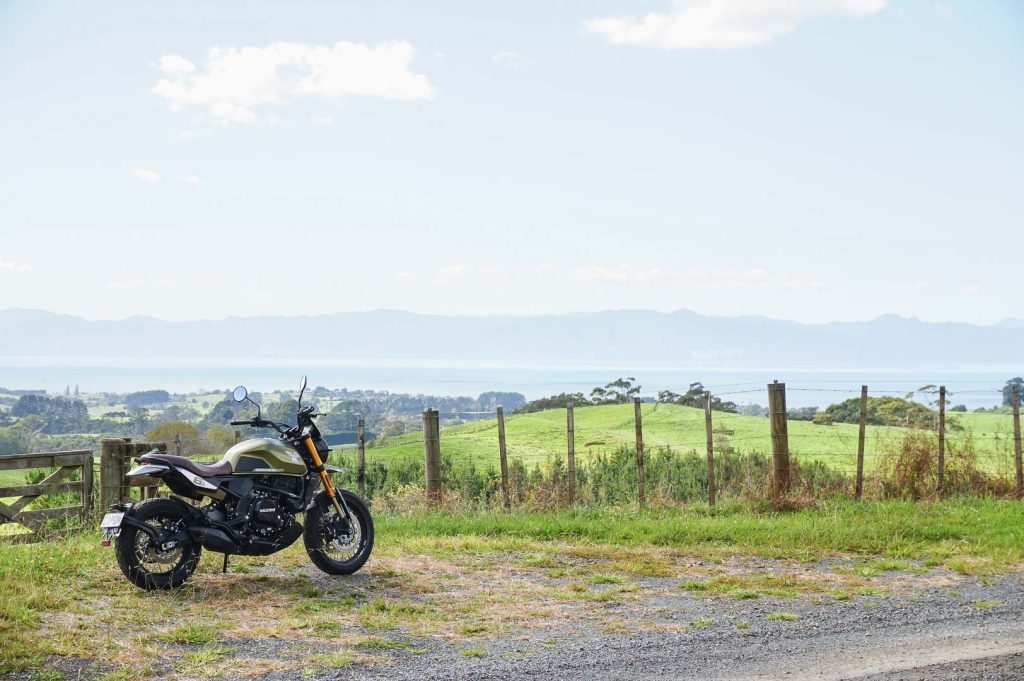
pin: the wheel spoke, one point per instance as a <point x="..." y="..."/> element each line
<point x="149" y="554"/>
<point x="341" y="540"/>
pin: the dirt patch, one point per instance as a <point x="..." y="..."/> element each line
<point x="558" y="610"/>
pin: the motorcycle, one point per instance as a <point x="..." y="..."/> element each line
<point x="252" y="496"/>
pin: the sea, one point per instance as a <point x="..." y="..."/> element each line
<point x="971" y="386"/>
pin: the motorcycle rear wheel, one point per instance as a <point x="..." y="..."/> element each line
<point x="335" y="545"/>
<point x="146" y="565"/>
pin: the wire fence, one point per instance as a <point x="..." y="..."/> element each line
<point x="664" y="452"/>
<point x="979" y="452"/>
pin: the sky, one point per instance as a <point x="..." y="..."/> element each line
<point x="812" y="160"/>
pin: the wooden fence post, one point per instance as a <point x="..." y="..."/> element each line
<point x="863" y="423"/>
<point x="570" y="435"/>
<point x="1016" y="441"/>
<point x="87" y="483"/>
<point x="432" y="455"/>
<point x="640" y="483"/>
<point x="111" y="471"/>
<point x="710" y="432"/>
<point x="177" y="444"/>
<point x="941" y="477"/>
<point x="780" y="441"/>
<point x="503" y="457"/>
<point x="361" y="456"/>
<point x="238" y="436"/>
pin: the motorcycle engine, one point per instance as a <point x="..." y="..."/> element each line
<point x="269" y="514"/>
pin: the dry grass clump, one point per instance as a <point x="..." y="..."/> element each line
<point x="908" y="469"/>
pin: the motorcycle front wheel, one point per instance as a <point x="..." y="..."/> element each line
<point x="144" y="563"/>
<point x="338" y="545"/>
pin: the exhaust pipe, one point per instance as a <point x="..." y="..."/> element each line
<point x="214" y="540"/>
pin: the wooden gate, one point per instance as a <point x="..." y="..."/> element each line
<point x="58" y="482"/>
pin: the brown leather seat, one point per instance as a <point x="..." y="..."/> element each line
<point x="202" y="470"/>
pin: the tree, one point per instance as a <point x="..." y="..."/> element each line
<point x="694" y="397"/>
<point x="930" y="393"/>
<point x="179" y="413"/>
<point x="1008" y="390"/>
<point x="343" y="417"/>
<point x="559" y="401"/>
<point x="145" y="398"/>
<point x="140" y="419"/>
<point x="61" y="414"/>
<point x="508" y="401"/>
<point x="228" y="410"/>
<point x="166" y="432"/>
<point x="882" y="411"/>
<point x="619" y="391"/>
<point x="801" y="413"/>
<point x="283" y="411"/>
<point x="12" y="441"/>
<point x="219" y="437"/>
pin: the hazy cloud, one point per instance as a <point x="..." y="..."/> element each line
<point x="702" y="278"/>
<point x="191" y="179"/>
<point x="514" y="61"/>
<point x="910" y="286"/>
<point x="15" y="266"/>
<point x="723" y="24"/>
<point x="146" y="175"/>
<point x="453" y="271"/>
<point x="622" y="274"/>
<point x="233" y="83"/>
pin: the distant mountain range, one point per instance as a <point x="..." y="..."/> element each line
<point x="642" y="337"/>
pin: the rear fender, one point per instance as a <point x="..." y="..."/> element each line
<point x="129" y="515"/>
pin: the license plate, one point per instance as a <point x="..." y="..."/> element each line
<point x="112" y="520"/>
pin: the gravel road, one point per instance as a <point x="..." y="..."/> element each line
<point x="973" y="632"/>
<point x="916" y="622"/>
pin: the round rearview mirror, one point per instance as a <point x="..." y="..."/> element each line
<point x="240" y="393"/>
<point x="302" y="383"/>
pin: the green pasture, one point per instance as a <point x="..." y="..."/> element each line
<point x="540" y="436"/>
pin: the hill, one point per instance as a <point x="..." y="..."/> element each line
<point x="541" y="436"/>
<point x="681" y="338"/>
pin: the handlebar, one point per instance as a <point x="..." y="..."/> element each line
<point x="260" y="423"/>
<point x="256" y="422"/>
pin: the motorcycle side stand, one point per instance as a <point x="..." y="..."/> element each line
<point x="225" y="570"/>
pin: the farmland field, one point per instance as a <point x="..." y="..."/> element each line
<point x="537" y="437"/>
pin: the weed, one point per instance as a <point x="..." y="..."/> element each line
<point x="702" y="623"/>
<point x="337" y="659"/>
<point x="473" y="652"/>
<point x="199" y="661"/>
<point x="602" y="578"/>
<point x="693" y="585"/>
<point x="472" y="628"/>
<point x="782" y="616"/>
<point x="190" y="633"/>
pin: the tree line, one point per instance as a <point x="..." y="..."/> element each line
<point x="623" y="391"/>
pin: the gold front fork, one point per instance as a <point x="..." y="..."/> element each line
<point x="324" y="478"/>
